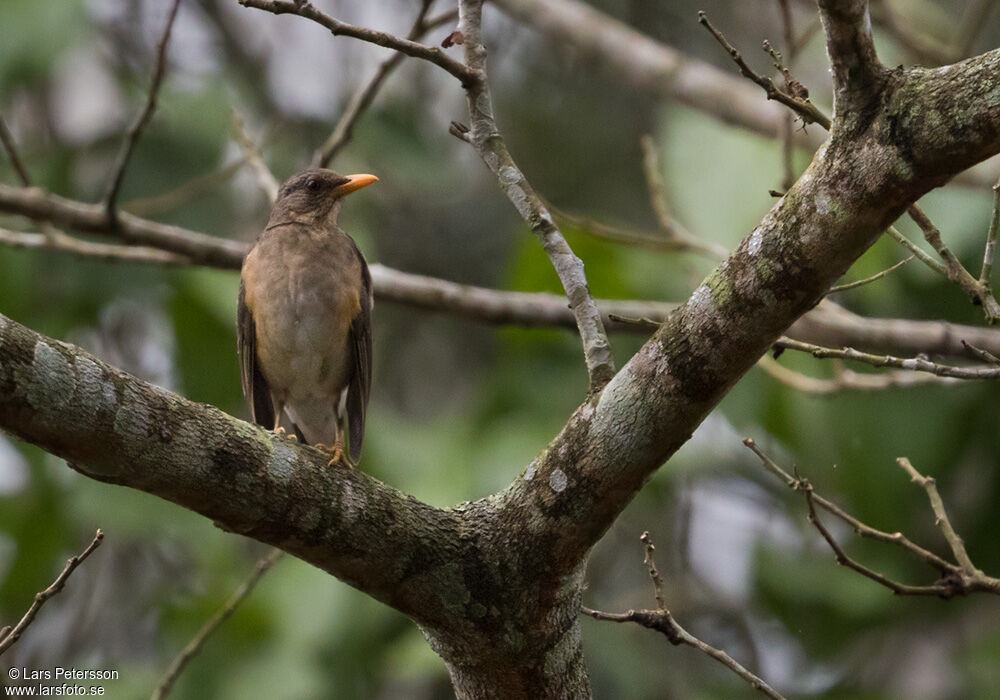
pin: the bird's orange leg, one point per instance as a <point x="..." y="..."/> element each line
<point x="336" y="452"/>
<point x="278" y="430"/>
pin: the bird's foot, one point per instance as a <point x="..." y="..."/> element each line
<point x="280" y="432"/>
<point x="336" y="452"/>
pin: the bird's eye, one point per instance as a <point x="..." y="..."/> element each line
<point x="312" y="184"/>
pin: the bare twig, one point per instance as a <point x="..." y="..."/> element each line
<point x="15" y="159"/>
<point x="10" y="635"/>
<point x="265" y="178"/>
<point x="803" y="107"/>
<point x="980" y="354"/>
<point x="193" y="648"/>
<point x="846" y="380"/>
<point x="917" y="252"/>
<point x="914" y="364"/>
<point x="432" y="54"/>
<point x="159" y="68"/>
<point x="362" y="98"/>
<point x="662" y="621"/>
<point x="787" y="125"/>
<point x="186" y="191"/>
<point x="956" y="579"/>
<point x="941" y="518"/>
<point x="956" y="272"/>
<point x="986" y="274"/>
<point x="654" y="182"/>
<point x="869" y="280"/>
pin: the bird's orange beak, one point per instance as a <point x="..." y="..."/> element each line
<point x="354" y="183"/>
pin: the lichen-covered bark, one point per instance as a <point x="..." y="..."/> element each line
<point x="496" y="584"/>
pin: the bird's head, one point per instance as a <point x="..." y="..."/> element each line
<point x="314" y="195"/>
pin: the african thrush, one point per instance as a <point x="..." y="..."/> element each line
<point x="304" y="319"/>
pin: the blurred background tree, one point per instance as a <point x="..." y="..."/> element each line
<point x="743" y="568"/>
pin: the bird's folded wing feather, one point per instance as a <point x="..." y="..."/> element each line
<point x="361" y="376"/>
<point x="255" y="387"/>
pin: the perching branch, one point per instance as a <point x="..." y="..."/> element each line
<point x="956" y="579"/>
<point x="125" y="154"/>
<point x="8" y="635"/>
<point x="663" y="621"/>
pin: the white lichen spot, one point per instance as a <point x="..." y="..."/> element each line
<point x="587" y="412"/>
<point x="280" y="464"/>
<point x="509" y="175"/>
<point x="52" y="382"/>
<point x="806" y="178"/>
<point x="351" y="505"/>
<point x="767" y="298"/>
<point x="701" y="298"/>
<point x="558" y="480"/>
<point x="483" y="105"/>
<point x="822" y="204"/>
<point x="756" y="241"/>
<point x="492" y="162"/>
<point x="132" y="416"/>
<point x="532" y="469"/>
<point x="519" y="200"/>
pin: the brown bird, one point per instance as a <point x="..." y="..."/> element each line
<point x="304" y="339"/>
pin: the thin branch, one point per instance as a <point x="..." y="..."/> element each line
<point x="787" y="125"/>
<point x="486" y="138"/>
<point x="125" y="154"/>
<point x="986" y="273"/>
<point x="15" y="159"/>
<point x="662" y="621"/>
<point x="914" y="364"/>
<point x="265" y="178"/>
<point x="654" y="183"/>
<point x="917" y="252"/>
<point x="941" y="518"/>
<point x="956" y="272"/>
<point x="803" y="107"/>
<point x="9" y="636"/>
<point x="362" y="98"/>
<point x="193" y="648"/>
<point x="411" y="48"/>
<point x="846" y="380"/>
<point x="677" y="241"/>
<point x="980" y="354"/>
<point x="56" y="240"/>
<point x="956" y="579"/>
<point x="184" y="192"/>
<point x="868" y="280"/>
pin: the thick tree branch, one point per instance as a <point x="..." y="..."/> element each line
<point x="115" y="428"/>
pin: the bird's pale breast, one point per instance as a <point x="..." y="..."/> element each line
<point x="302" y="293"/>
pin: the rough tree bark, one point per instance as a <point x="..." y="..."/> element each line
<point x="496" y="584"/>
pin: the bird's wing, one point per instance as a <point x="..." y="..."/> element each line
<point x="361" y="376"/>
<point x="255" y="388"/>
